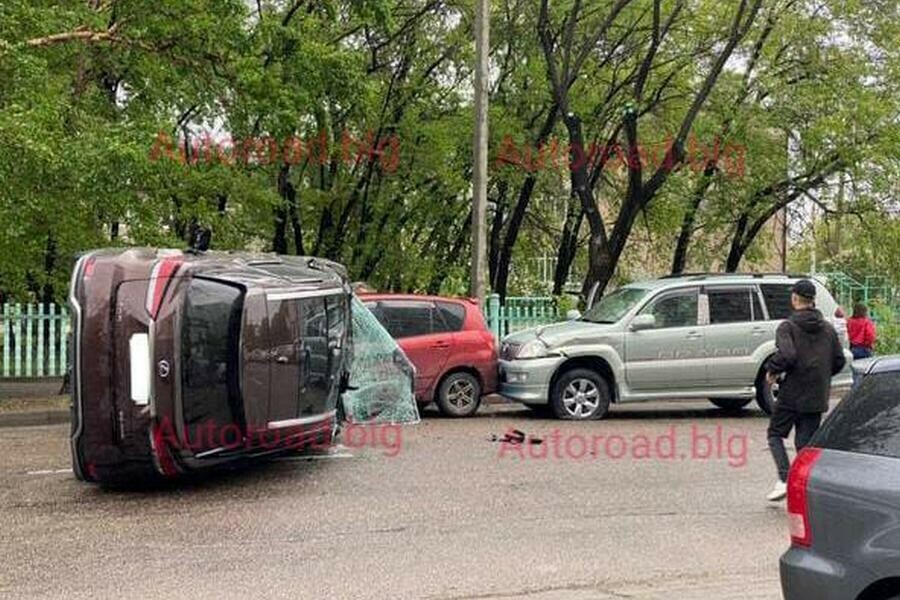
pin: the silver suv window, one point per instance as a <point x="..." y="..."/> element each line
<point x="614" y="306"/>
<point x="730" y="305"/>
<point x="674" y="309"/>
<point x="778" y="300"/>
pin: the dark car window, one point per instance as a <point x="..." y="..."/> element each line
<point x="729" y="306"/>
<point x="337" y="313"/>
<point x="210" y="338"/>
<point x="314" y="340"/>
<point x="453" y="314"/>
<point x="868" y="422"/>
<point x="678" y="309"/>
<point x="314" y="323"/>
<point x="406" y="319"/>
<point x="778" y="300"/>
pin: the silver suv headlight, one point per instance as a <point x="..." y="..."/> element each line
<point x="533" y="349"/>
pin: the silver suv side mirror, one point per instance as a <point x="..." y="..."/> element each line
<point x="573" y="315"/>
<point x="643" y="322"/>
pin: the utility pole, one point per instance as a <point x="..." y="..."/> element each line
<point x="784" y="239"/>
<point x="478" y="286"/>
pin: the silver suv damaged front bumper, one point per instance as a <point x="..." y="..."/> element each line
<point x="528" y="381"/>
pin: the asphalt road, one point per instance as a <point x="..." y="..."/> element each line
<point x="446" y="514"/>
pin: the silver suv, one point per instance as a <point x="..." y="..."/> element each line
<point x="688" y="337"/>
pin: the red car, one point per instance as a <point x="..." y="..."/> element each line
<point x="448" y="342"/>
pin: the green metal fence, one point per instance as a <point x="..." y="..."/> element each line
<point x="33" y="338"/>
<point x="871" y="291"/>
<point x="520" y="312"/>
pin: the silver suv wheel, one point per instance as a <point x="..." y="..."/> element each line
<point x="766" y="395"/>
<point x="579" y="395"/>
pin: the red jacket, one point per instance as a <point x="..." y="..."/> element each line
<point x="862" y="332"/>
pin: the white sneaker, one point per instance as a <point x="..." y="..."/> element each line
<point x="778" y="493"/>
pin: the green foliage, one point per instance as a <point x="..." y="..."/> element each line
<point x="888" y="326"/>
<point x="377" y="95"/>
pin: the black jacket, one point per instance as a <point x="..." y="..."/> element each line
<point x="809" y="354"/>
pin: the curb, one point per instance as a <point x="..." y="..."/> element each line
<point x="495" y="399"/>
<point x="34" y="418"/>
<point x="25" y="387"/>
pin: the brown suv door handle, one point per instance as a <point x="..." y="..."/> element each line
<point x="283" y="360"/>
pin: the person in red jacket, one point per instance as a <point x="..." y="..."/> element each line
<point x="862" y="333"/>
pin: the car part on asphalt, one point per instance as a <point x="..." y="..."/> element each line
<point x="516" y="437"/>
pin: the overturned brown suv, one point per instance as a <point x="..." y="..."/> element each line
<point x="187" y="360"/>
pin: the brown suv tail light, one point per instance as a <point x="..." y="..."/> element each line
<point x="88" y="270"/>
<point x="162" y="273"/>
<point x="797" y="496"/>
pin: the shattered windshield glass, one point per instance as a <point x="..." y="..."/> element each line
<point x="381" y="377"/>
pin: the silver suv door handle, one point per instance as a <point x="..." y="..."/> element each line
<point x="758" y="331"/>
<point x="693" y="335"/>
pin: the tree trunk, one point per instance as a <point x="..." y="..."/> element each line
<point x="279" y="237"/>
<point x="568" y="247"/>
<point x="50" y="256"/>
<point x="497" y="230"/>
<point x="501" y="278"/>
<point x="736" y="252"/>
<point x="602" y="254"/>
<point x="679" y="262"/>
<point x="289" y="193"/>
<point x="603" y="261"/>
<point x="462" y="236"/>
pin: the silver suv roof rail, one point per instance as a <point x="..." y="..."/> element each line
<point x="699" y="276"/>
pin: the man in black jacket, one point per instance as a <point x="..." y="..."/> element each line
<point x="809" y="355"/>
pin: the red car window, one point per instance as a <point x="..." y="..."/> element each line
<point x="453" y="314"/>
<point x="406" y="319"/>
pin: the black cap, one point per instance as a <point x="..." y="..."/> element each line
<point x="805" y="289"/>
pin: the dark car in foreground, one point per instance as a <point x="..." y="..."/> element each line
<point x="188" y="360"/>
<point x="449" y="344"/>
<point x="844" y="498"/>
